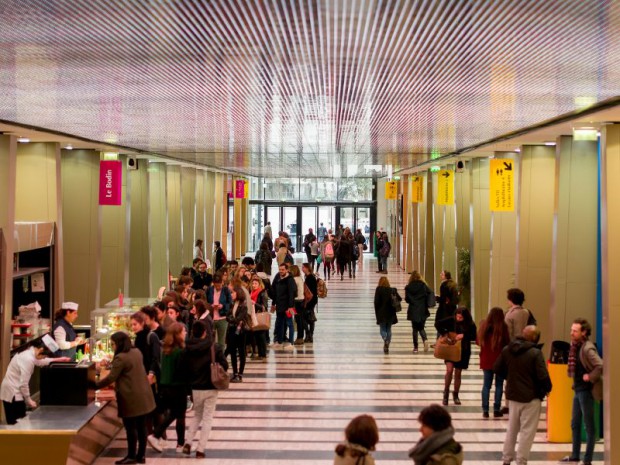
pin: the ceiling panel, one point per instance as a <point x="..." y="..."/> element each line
<point x="287" y="88"/>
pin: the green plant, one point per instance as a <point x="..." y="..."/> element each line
<point x="464" y="276"/>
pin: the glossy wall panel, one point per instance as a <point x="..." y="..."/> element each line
<point x="158" y="226"/>
<point x="175" y="218"/>
<point x="188" y="203"/>
<point x="35" y="189"/>
<point x="139" y="260"/>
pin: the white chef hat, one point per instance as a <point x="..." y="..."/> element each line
<point x="69" y="306"/>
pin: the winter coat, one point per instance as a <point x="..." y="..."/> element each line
<point x="384" y="311"/>
<point x="196" y="362"/>
<point x="416" y="296"/>
<point x="284" y="291"/>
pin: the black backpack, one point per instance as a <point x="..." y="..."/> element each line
<point x="531" y="320"/>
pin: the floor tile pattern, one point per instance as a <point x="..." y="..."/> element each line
<point x="294" y="408"/>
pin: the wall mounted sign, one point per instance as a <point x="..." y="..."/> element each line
<point x="501" y="190"/>
<point x="417" y="189"/>
<point x="391" y="190"/>
<point x="110" y="182"/>
<point x="240" y="189"/>
<point x="445" y="187"/>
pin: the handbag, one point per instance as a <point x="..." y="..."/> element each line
<point x="395" y="298"/>
<point x="448" y="348"/>
<point x="219" y="377"/>
<point x="318" y="260"/>
<point x="308" y="295"/>
<point x="430" y="298"/>
<point x="365" y="247"/>
<point x="263" y="322"/>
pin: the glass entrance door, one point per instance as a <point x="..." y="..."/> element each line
<point x="308" y="220"/>
<point x="289" y="220"/>
<point x="326" y="221"/>
<point x="362" y="216"/>
<point x="347" y="219"/>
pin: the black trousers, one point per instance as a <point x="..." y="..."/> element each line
<point x="236" y="346"/>
<point x="14" y="410"/>
<point x="300" y="319"/>
<point x="174" y="403"/>
<point x="136" y="436"/>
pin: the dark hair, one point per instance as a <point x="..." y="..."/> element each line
<point x="183" y="280"/>
<point x="259" y="268"/>
<point x="201" y="307"/>
<point x="62" y="312"/>
<point x="467" y="319"/>
<point x="149" y="311"/>
<point x="200" y="294"/>
<point x="197" y="260"/>
<point x="218" y="278"/>
<point x="285" y="265"/>
<point x="240" y="294"/>
<point x="185" y="271"/>
<point x="199" y="328"/>
<point x="585" y="325"/>
<point x="139" y="317"/>
<point x="161" y="305"/>
<point x="435" y="417"/>
<point x="362" y="431"/>
<point x="247" y="261"/>
<point x="217" y="243"/>
<point x="232" y="262"/>
<point x="516" y="296"/>
<point x="122" y="341"/>
<point x="282" y="244"/>
<point x="447" y="274"/>
<point x="493" y="327"/>
<point x="173" y="338"/>
<point x="198" y="242"/>
<point x="264" y="245"/>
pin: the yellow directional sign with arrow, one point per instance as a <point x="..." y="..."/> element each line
<point x="445" y="187"/>
<point x="501" y="191"/>
<point x="391" y="190"/>
<point x="417" y="189"/>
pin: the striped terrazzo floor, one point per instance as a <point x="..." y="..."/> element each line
<point x="293" y="409"/>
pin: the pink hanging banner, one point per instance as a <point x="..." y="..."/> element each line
<point x="240" y="189"/>
<point x="110" y="182"/>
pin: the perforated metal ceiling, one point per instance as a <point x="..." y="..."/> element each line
<point x="312" y="87"/>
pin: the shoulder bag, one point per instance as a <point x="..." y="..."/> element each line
<point x="448" y="348"/>
<point x="395" y="299"/>
<point x="219" y="377"/>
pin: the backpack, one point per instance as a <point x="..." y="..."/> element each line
<point x="321" y="287"/>
<point x="288" y="258"/>
<point x="329" y="250"/>
<point x="356" y="252"/>
<point x="531" y="320"/>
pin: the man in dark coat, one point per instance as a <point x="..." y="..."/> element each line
<point x="284" y="291"/>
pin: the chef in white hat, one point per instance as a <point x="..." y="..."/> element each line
<point x="64" y="334"/>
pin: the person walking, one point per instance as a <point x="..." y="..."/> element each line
<point x="267" y="231"/>
<point x="133" y="395"/>
<point x="300" y="321"/>
<point x="448" y="297"/>
<point x="516" y="316"/>
<point x="173" y="390"/>
<point x="465" y="329"/>
<point x="344" y="254"/>
<point x="308" y="240"/>
<point x="196" y="363"/>
<point x="309" y="315"/>
<point x="361" y="437"/>
<point x="437" y="445"/>
<point x="523" y="366"/>
<point x="327" y="256"/>
<point x="385" y="313"/>
<point x="360" y="242"/>
<point x="492" y="338"/>
<point x="585" y="367"/>
<point x="384" y="252"/>
<point x="314" y="253"/>
<point x="416" y="295"/>
<point x="239" y="323"/>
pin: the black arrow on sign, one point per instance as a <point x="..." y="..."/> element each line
<point x="416" y="179"/>
<point x="508" y="166"/>
<point x="446" y="174"/>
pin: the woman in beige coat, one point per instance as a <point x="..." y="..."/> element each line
<point x="362" y="435"/>
<point x="133" y="395"/>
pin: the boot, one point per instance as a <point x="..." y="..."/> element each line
<point x="386" y="347"/>
<point x="446" y="396"/>
<point x="455" y="396"/>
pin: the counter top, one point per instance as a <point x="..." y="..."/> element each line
<point x="55" y="418"/>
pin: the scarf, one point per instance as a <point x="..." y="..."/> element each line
<point x="572" y="358"/>
<point x="361" y="460"/>
<point x="255" y="293"/>
<point x="422" y="451"/>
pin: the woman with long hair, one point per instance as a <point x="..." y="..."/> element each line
<point x="416" y="295"/>
<point x="198" y="250"/>
<point x="463" y="325"/>
<point x="384" y="252"/>
<point x="133" y="395"/>
<point x="385" y="312"/>
<point x="328" y="254"/>
<point x="239" y="324"/>
<point x="492" y="338"/>
<point x="448" y="297"/>
<point x="264" y="256"/>
<point x="173" y="390"/>
<point x="260" y="299"/>
<point x="361" y="437"/>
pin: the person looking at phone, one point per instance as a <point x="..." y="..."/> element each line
<point x="220" y="299"/>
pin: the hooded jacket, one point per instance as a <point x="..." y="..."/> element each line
<point x="522" y="364"/>
<point x="439" y="448"/>
<point x="196" y="361"/>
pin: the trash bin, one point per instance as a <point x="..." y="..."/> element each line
<point x="559" y="352"/>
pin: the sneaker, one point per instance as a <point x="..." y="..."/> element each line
<point x="187" y="449"/>
<point x="289" y="347"/>
<point x="235" y="379"/>
<point x="276" y="345"/>
<point x="200" y="455"/>
<point x="189" y="405"/>
<point x="179" y="448"/>
<point x="155" y="443"/>
<point x="568" y="459"/>
<point x="415" y="351"/>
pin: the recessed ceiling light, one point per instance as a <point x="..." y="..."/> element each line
<point x="518" y="150"/>
<point x="23" y="140"/>
<point x="68" y="147"/>
<point x="550" y="143"/>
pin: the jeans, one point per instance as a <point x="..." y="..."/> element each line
<point x="174" y="401"/>
<point x="279" y="329"/>
<point x="386" y="331"/>
<point x="418" y="328"/>
<point x="522" y="422"/>
<point x="383" y="263"/>
<point x="221" y="326"/>
<point x="204" y="406"/>
<point x="290" y="323"/>
<point x="236" y="346"/>
<point x="136" y="435"/>
<point x="583" y="408"/>
<point x="299" y="319"/>
<point x="486" y="391"/>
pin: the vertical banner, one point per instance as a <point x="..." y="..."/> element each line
<point x="239" y="189"/>
<point x="501" y="191"/>
<point x="445" y="187"/>
<point x="417" y="189"/>
<point x="246" y="188"/>
<point x="110" y="182"/>
<point x="391" y="190"/>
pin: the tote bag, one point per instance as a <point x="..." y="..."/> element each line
<point x="263" y="322"/>
<point x="448" y="348"/>
<point x="219" y="377"/>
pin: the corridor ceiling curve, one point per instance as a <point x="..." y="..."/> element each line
<point x="312" y="88"/>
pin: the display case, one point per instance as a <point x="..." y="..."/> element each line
<point x="105" y="322"/>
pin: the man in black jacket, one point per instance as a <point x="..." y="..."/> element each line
<point x="284" y="291"/>
<point x="523" y="366"/>
<point x="309" y="239"/>
<point x="197" y="366"/>
<point x="309" y="316"/>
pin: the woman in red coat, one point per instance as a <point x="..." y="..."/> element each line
<point x="492" y="338"/>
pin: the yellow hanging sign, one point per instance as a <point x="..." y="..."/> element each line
<point x="417" y="189"/>
<point x="501" y="191"/>
<point x="391" y="190"/>
<point x="445" y="187"/>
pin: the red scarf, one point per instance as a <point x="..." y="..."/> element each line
<point x="255" y="293"/>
